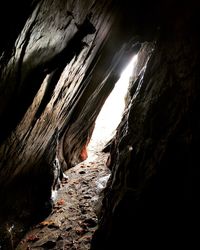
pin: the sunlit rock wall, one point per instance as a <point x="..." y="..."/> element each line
<point x="41" y="82"/>
<point x="55" y="76"/>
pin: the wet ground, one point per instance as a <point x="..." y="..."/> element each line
<point x="73" y="220"/>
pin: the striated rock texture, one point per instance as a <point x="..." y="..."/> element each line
<point x="57" y="68"/>
<point x="59" y="61"/>
<point x="43" y="77"/>
<point x="153" y="193"/>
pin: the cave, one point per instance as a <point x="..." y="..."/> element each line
<point x="59" y="61"/>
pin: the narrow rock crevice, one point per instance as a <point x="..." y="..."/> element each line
<point x="59" y="61"/>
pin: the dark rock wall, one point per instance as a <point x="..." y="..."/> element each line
<point x="153" y="193"/>
<point x="12" y="18"/>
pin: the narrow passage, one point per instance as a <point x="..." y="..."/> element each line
<point x="73" y="220"/>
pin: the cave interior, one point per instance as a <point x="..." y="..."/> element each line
<point x="59" y="61"/>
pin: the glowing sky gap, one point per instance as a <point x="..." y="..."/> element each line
<point x="112" y="110"/>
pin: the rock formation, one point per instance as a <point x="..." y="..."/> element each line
<point x="59" y="61"/>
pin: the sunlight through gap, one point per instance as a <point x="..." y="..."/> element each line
<point x="111" y="112"/>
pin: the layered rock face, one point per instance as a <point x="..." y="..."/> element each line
<point x="57" y="69"/>
<point x="59" y="61"/>
<point x="43" y="78"/>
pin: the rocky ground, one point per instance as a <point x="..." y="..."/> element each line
<point x="74" y="217"/>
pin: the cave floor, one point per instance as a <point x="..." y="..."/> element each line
<point x="73" y="220"/>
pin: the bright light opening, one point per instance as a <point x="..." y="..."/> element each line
<point x="111" y="112"/>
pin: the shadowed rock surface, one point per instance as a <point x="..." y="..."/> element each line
<point x="73" y="220"/>
<point x="154" y="184"/>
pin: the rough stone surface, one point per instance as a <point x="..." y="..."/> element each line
<point x="152" y="197"/>
<point x="57" y="69"/>
<point x="73" y="219"/>
<point x="41" y="85"/>
<point x="63" y="65"/>
<point x="59" y="61"/>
